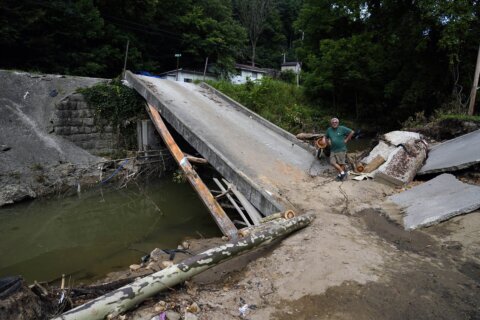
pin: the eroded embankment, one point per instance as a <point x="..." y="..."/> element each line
<point x="35" y="162"/>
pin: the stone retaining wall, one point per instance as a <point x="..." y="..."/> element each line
<point x="74" y="120"/>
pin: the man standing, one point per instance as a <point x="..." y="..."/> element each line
<point x="337" y="137"/>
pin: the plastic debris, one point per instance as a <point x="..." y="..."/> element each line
<point x="244" y="310"/>
<point x="161" y="316"/>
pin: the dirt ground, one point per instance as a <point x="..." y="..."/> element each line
<point x="355" y="261"/>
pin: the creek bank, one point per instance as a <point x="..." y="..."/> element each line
<point x="36" y="162"/>
<point x="50" y="143"/>
<point x="446" y="128"/>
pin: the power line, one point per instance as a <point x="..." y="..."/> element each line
<point x="153" y="29"/>
<point x="145" y="31"/>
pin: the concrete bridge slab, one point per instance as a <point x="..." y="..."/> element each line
<point x="261" y="159"/>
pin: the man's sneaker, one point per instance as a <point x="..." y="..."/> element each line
<point x="338" y="177"/>
<point x="342" y="176"/>
<point x="345" y="176"/>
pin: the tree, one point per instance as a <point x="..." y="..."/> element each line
<point x="386" y="57"/>
<point x="253" y="15"/>
<point x="208" y="30"/>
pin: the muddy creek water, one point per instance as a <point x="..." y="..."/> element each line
<point x="99" y="231"/>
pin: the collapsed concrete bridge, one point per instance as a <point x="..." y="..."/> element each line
<point x="259" y="158"/>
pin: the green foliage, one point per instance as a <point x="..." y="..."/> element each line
<point x="37" y="167"/>
<point x="279" y="102"/>
<point x="113" y="102"/>
<point x="375" y="61"/>
<point x="118" y="106"/>
<point x="418" y="120"/>
<point x="179" y="177"/>
<point x="215" y="34"/>
<point x="384" y="61"/>
<point x="288" y="76"/>
<point x="85" y="37"/>
<point x="462" y="117"/>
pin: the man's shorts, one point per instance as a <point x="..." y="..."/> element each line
<point x="338" y="157"/>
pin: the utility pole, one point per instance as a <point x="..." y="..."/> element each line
<point x="177" y="55"/>
<point x="284" y="58"/>
<point x="473" y="94"/>
<point x="205" y="69"/>
<point x="125" y="62"/>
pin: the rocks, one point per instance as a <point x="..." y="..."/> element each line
<point x="4" y="148"/>
<point x="161" y="306"/>
<point x="193" y="308"/>
<point x="135" y="267"/>
<point x="172" y="315"/>
<point x="153" y="266"/>
<point x="156" y="254"/>
<point x="185" y="244"/>
<point x="166" y="264"/>
<point x="14" y="193"/>
<point x="190" y="316"/>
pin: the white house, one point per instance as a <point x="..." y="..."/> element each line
<point x="294" y="66"/>
<point x="185" y="75"/>
<point x="247" y="72"/>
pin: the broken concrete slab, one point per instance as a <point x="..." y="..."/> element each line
<point x="403" y="163"/>
<point x="437" y="200"/>
<point x="388" y="143"/>
<point x="459" y="153"/>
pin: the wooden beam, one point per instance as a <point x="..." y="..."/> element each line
<point x="223" y="221"/>
<point x="195" y="159"/>
<point x="249" y="208"/>
<point x="232" y="201"/>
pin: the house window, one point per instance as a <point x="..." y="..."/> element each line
<point x="187" y="80"/>
<point x="254" y="75"/>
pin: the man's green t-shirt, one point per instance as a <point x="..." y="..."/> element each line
<point x="337" y="137"/>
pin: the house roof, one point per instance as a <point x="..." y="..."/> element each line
<point x="291" y="64"/>
<point x="174" y="72"/>
<point x="249" y="68"/>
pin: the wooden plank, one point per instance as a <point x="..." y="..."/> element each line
<point x="234" y="203"/>
<point x="223" y="221"/>
<point x="195" y="159"/>
<point x="251" y="210"/>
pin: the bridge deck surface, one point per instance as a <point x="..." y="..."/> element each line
<point x="268" y="160"/>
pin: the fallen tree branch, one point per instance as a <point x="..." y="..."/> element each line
<point x="122" y="299"/>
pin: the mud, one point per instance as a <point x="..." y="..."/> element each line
<point x="413" y="241"/>
<point x="433" y="288"/>
<point x="437" y="294"/>
<point x="447" y="128"/>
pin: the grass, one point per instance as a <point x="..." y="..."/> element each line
<point x="282" y="103"/>
<point x="462" y="117"/>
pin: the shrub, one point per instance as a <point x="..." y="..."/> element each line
<point x="118" y="106"/>
<point x="281" y="103"/>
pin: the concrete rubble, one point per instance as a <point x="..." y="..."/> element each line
<point x="437" y="200"/>
<point x="403" y="152"/>
<point x="389" y="142"/>
<point x="456" y="154"/>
